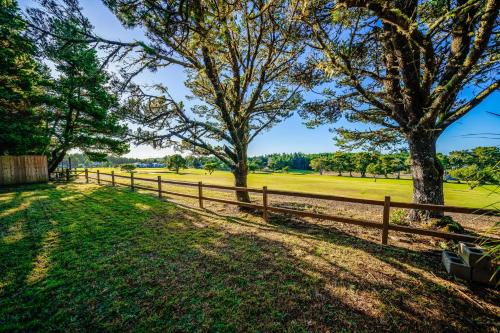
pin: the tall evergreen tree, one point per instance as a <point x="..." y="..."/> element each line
<point x="21" y="87"/>
<point x="83" y="115"/>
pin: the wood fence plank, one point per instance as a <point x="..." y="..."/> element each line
<point x="23" y="169"/>
<point x="385" y="219"/>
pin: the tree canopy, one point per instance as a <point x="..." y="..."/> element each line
<point x="83" y="114"/>
<point x="176" y="162"/>
<point x="402" y="67"/>
<point x="238" y="57"/>
<point x="22" y="92"/>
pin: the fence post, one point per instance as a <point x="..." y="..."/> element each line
<point x="86" y="175"/>
<point x="132" y="181"/>
<point x="112" y="177"/>
<point x="385" y="220"/>
<point x="200" y="194"/>
<point x="67" y="175"/>
<point x="264" y="203"/>
<point x="159" y="186"/>
<point x="98" y="178"/>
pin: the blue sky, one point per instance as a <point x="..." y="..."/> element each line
<point x="291" y="135"/>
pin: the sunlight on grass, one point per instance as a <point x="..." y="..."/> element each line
<point x="41" y="263"/>
<point x="15" y="232"/>
<point x="142" y="206"/>
<point x="104" y="259"/>
<point x="14" y="210"/>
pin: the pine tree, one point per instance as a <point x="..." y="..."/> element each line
<point x="21" y="88"/>
<point x="83" y="116"/>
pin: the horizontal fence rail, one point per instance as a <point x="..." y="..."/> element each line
<point x="387" y="204"/>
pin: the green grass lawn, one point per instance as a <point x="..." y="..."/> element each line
<point x="91" y="258"/>
<point x="399" y="190"/>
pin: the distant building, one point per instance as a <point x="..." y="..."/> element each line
<point x="149" y="165"/>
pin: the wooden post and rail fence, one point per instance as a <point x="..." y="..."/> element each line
<point x="266" y="208"/>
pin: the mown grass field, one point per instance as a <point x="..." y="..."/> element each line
<point x="83" y="257"/>
<point x="398" y="189"/>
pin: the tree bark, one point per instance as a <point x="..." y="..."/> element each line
<point x="427" y="174"/>
<point x="56" y="157"/>
<point x="240" y="173"/>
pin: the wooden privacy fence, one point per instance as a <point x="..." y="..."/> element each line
<point x="387" y="204"/>
<point x="23" y="169"/>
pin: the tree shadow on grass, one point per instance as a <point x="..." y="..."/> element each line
<point x="116" y="260"/>
<point x="414" y="286"/>
<point x="121" y="261"/>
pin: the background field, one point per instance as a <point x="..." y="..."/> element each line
<point x="398" y="189"/>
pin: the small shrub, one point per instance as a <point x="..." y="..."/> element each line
<point x="127" y="167"/>
<point x="398" y="216"/>
<point x="446" y="223"/>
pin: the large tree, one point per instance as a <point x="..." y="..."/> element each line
<point x="22" y="81"/>
<point x="408" y="68"/>
<point x="238" y="58"/>
<point x="83" y="115"/>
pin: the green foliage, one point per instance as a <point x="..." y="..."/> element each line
<point x="468" y="174"/>
<point x="362" y="160"/>
<point x="22" y="92"/>
<point x="84" y="114"/>
<point x="210" y="167"/>
<point x="239" y="65"/>
<point x="128" y="167"/>
<point x="253" y="166"/>
<point x="176" y="162"/>
<point x="399" y="216"/>
<point x="401" y="68"/>
<point x="375" y="169"/>
<point x="319" y="165"/>
<point x="337" y="162"/>
<point x="446" y="223"/>
<point x="476" y="167"/>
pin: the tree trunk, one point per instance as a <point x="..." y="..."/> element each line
<point x="240" y="172"/>
<point x="240" y="180"/>
<point x="427" y="174"/>
<point x="56" y="157"/>
<point x="363" y="174"/>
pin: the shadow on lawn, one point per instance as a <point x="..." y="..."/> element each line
<point x="116" y="260"/>
<point x="411" y="298"/>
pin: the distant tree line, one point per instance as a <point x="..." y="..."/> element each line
<point x="342" y="163"/>
<point x="477" y="166"/>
